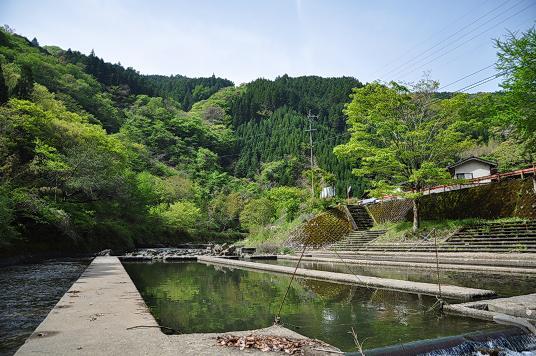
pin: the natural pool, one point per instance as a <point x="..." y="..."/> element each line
<point x="505" y="285"/>
<point x="194" y="297"/>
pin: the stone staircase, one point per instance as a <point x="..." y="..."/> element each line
<point x="361" y="217"/>
<point x="355" y="240"/>
<point x="508" y="237"/>
<point x="361" y="234"/>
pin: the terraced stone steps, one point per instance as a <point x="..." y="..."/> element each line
<point x="361" y="217"/>
<point x="495" y="236"/>
<point x="356" y="239"/>
<point x="471" y="248"/>
<point x="519" y="236"/>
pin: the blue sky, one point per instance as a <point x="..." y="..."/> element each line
<point x="245" y="39"/>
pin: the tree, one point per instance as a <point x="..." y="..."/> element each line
<point x="224" y="210"/>
<point x="287" y="200"/>
<point x="281" y="172"/>
<point x="517" y="60"/>
<point x="214" y="115"/>
<point x="4" y="95"/>
<point x="25" y="83"/>
<point x="401" y="137"/>
<point x="182" y="215"/>
<point x="257" y="212"/>
<point x="35" y="43"/>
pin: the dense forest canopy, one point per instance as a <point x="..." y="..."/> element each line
<point x="118" y="79"/>
<point x="271" y="124"/>
<point x="96" y="155"/>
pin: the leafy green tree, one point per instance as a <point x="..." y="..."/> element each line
<point x="287" y="200"/>
<point x="7" y="216"/>
<point x="4" y="93"/>
<point x="11" y="74"/>
<point x="280" y="173"/>
<point x="257" y="212"/>
<point x="401" y="137"/>
<point x="319" y="177"/>
<point x="181" y="215"/>
<point x="224" y="210"/>
<point x="517" y="60"/>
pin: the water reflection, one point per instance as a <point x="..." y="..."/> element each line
<point x="193" y="297"/>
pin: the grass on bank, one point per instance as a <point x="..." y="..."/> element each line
<point x="403" y="231"/>
<point x="271" y="239"/>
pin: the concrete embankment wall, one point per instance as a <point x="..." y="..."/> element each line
<point x="329" y="226"/>
<point x="511" y="198"/>
<point x="447" y="291"/>
<point x="527" y="267"/>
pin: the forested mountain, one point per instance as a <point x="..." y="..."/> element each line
<point x="82" y="167"/>
<point x="271" y="124"/>
<point x="93" y="155"/>
<point x="119" y="80"/>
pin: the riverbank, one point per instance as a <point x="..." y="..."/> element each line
<point x="27" y="251"/>
<point x="103" y="312"/>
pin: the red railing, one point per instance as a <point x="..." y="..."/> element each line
<point x="467" y="183"/>
<point x="497" y="177"/>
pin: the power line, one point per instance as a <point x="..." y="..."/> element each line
<point x="474" y="48"/>
<point x="428" y="38"/>
<point x="463" y="43"/>
<point x="445" y="39"/>
<point x="465" y="77"/>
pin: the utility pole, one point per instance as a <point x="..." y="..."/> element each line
<point x="311" y="117"/>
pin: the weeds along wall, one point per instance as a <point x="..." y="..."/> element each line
<point x="510" y="198"/>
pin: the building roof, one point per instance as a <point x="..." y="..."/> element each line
<point x="472" y="158"/>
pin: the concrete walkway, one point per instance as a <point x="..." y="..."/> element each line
<point x="94" y="317"/>
<point x="484" y="259"/>
<point x="519" y="311"/>
<point x="449" y="291"/>
<point x="522" y="306"/>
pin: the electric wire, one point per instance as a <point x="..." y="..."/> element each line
<point x="418" y="58"/>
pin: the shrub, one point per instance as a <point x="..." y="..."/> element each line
<point x="181" y="215"/>
<point x="257" y="212"/>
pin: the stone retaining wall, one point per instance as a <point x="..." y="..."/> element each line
<point x="510" y="198"/>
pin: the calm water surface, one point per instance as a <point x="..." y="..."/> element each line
<point x="28" y="293"/>
<point x="193" y="297"/>
<point x="505" y="285"/>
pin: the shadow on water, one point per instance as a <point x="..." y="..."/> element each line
<point x="29" y="292"/>
<point x="193" y="297"/>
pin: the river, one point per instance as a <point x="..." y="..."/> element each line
<point x="28" y="293"/>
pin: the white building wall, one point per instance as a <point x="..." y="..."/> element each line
<point x="479" y="169"/>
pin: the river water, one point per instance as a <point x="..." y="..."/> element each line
<point x="194" y="297"/>
<point x="28" y="293"/>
